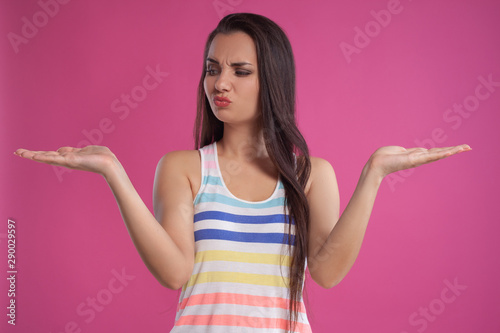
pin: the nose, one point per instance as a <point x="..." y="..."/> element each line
<point x="223" y="82"/>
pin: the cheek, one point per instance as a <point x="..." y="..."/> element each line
<point x="209" y="87"/>
<point x="250" y="88"/>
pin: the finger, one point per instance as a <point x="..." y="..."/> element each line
<point x="436" y="154"/>
<point x="460" y="147"/>
<point x="444" y="151"/>
<point x="42" y="152"/>
<point x="67" y="149"/>
<point x="438" y="149"/>
<point x="24" y="153"/>
<point x="457" y="149"/>
<point x="20" y="151"/>
<point x="50" y="152"/>
<point x="431" y="150"/>
<point x="50" y="159"/>
<point x="419" y="156"/>
<point x="30" y="153"/>
<point x="416" y="149"/>
<point x="465" y="147"/>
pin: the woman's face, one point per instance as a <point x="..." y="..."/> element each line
<point x="232" y="73"/>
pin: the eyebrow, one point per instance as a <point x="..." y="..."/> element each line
<point x="233" y="64"/>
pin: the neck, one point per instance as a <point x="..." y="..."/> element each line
<point x="242" y="142"/>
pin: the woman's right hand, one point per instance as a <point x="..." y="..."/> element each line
<point x="98" y="159"/>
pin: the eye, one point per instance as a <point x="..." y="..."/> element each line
<point x="211" y="71"/>
<point x="242" y="73"/>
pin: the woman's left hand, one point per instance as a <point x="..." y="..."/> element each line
<point x="389" y="159"/>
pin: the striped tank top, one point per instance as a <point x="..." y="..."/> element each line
<point x="240" y="276"/>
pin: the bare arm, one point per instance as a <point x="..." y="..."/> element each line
<point x="165" y="245"/>
<point x="334" y="244"/>
<point x="158" y="244"/>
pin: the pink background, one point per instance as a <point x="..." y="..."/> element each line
<point x="436" y="225"/>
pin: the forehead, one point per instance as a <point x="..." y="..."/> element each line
<point x="234" y="47"/>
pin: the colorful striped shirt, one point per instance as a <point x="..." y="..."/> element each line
<point x="240" y="276"/>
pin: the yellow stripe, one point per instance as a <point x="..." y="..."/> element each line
<point x="236" y="277"/>
<point x="254" y="258"/>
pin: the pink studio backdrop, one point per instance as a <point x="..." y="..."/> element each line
<point x="369" y="74"/>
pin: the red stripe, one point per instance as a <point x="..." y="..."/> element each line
<point x="240" y="321"/>
<point x="239" y="299"/>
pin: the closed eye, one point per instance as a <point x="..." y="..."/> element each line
<point x="211" y="71"/>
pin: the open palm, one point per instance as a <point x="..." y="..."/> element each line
<point x="90" y="158"/>
<point x="395" y="158"/>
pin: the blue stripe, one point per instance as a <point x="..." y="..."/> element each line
<point x="220" y="198"/>
<point x="216" y="181"/>
<point x="247" y="237"/>
<point x="212" y="180"/>
<point x="250" y="219"/>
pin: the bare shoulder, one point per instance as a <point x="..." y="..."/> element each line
<point x="181" y="155"/>
<point x="320" y="169"/>
<point x="184" y="159"/>
<point x="185" y="163"/>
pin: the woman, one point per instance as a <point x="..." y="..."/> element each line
<point x="263" y="209"/>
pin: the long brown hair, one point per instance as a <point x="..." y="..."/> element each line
<point x="276" y="70"/>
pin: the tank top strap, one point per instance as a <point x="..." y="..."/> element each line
<point x="209" y="166"/>
<point x="208" y="169"/>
